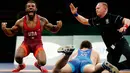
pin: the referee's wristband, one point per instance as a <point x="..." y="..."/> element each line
<point x="76" y="14"/>
<point x="126" y="26"/>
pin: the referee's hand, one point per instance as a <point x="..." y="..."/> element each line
<point x="122" y="29"/>
<point x="73" y="9"/>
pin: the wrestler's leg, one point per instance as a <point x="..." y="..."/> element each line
<point x="106" y="66"/>
<point x="40" y="55"/>
<point x="21" y="52"/>
<point x="63" y="61"/>
<point x="60" y="64"/>
<point x="64" y="66"/>
<point x="66" y="69"/>
<point x="90" y="68"/>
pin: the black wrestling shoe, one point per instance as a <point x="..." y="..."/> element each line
<point x="66" y="49"/>
<point x="111" y="68"/>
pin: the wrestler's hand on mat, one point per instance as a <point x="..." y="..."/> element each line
<point x="3" y="25"/>
<point x="73" y="9"/>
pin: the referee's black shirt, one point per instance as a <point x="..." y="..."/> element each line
<point x="108" y="26"/>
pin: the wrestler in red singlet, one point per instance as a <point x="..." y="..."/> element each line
<point x="32" y="26"/>
<point x="32" y="35"/>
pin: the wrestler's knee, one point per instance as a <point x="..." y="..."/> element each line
<point x="42" y="62"/>
<point x="18" y="59"/>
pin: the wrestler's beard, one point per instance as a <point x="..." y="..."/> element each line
<point x="31" y="17"/>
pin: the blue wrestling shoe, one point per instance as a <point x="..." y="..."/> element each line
<point x="111" y="68"/>
<point x="66" y="49"/>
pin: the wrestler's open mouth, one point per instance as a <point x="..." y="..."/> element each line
<point x="31" y="12"/>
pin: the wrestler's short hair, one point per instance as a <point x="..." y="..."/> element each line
<point x="31" y="1"/>
<point x="86" y="44"/>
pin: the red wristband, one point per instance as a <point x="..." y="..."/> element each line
<point x="126" y="26"/>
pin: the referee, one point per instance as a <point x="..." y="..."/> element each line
<point x="112" y="28"/>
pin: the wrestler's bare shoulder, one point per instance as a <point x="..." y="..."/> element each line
<point x="19" y="21"/>
<point x="42" y="18"/>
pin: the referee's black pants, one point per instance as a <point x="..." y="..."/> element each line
<point x="121" y="47"/>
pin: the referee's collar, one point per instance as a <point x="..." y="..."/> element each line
<point x="104" y="16"/>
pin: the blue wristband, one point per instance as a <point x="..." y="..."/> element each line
<point x="76" y="14"/>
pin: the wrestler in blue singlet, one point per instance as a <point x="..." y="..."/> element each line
<point x="82" y="59"/>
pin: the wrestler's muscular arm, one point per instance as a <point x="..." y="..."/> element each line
<point x="11" y="31"/>
<point x="51" y="27"/>
<point x="80" y="18"/>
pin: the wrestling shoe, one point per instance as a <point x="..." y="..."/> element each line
<point x="111" y="68"/>
<point x="66" y="49"/>
<point x="20" y="67"/>
<point x="41" y="68"/>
